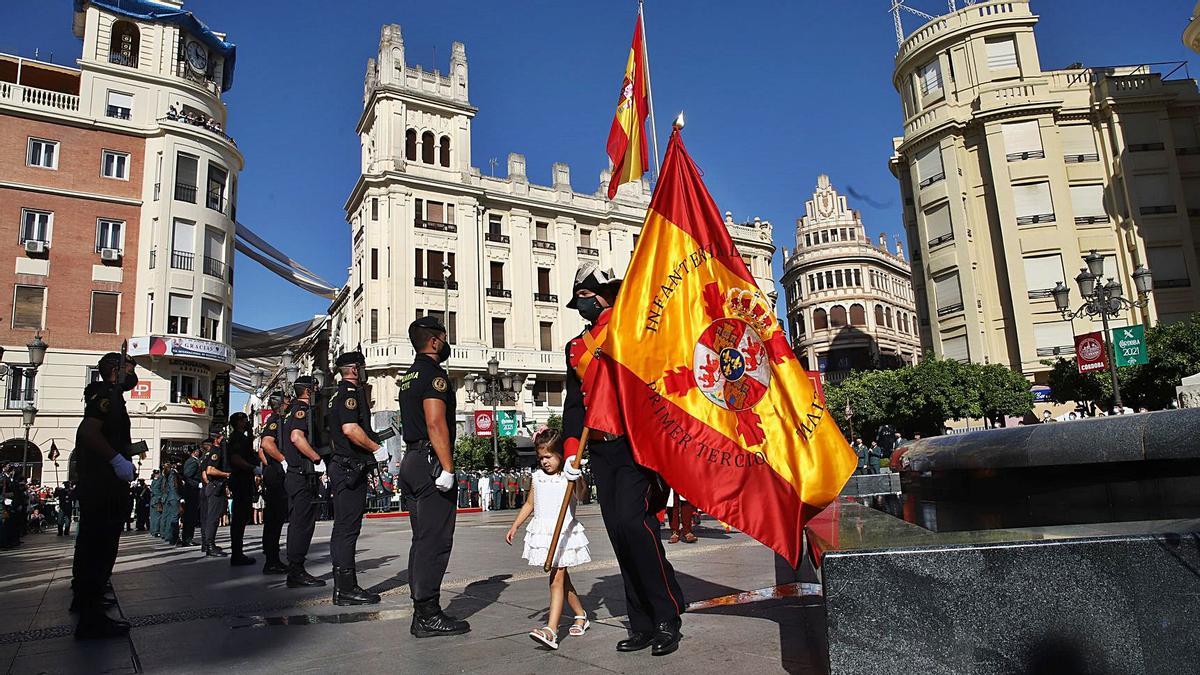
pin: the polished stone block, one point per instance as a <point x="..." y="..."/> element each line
<point x="872" y="484"/>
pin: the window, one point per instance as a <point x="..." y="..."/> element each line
<point x="444" y="151"/>
<point x="427" y="147"/>
<point x="858" y="315"/>
<point x="547" y="392"/>
<point x="123" y="45"/>
<point x="374" y="325"/>
<point x="829" y="279"/>
<point x="543" y="281"/>
<point x="929" y="166"/>
<point x="114" y="165"/>
<point x="930" y="76"/>
<point x="1079" y="144"/>
<point x="42" y="153"/>
<point x="211" y="313"/>
<point x="374" y="263"/>
<point x="1001" y="53"/>
<point x="1141" y="131"/>
<point x="541" y="230"/>
<point x="948" y="295"/>
<point x="496" y="274"/>
<point x="120" y="106"/>
<point x="1167" y="267"/>
<point x="183" y="245"/>
<point x="1022" y="140"/>
<point x="149" y="313"/>
<point x="1087" y="201"/>
<point x="546" y="335"/>
<point x="1191" y="194"/>
<point x="879" y="316"/>
<point x="186" y="167"/>
<point x="1042" y="273"/>
<point x="179" y="313"/>
<point x="497" y="333"/>
<point x="857" y="278"/>
<point x="1032" y="203"/>
<point x="820" y="319"/>
<point x="956" y="348"/>
<point x="214" y="252"/>
<point x="20" y="386"/>
<point x="184" y="388"/>
<point x="36" y="225"/>
<point x="1056" y="338"/>
<point x="585" y="238"/>
<point x="104" y="312"/>
<point x="374" y="208"/>
<point x="110" y="234"/>
<point x="217" y="176"/>
<point x="808" y="240"/>
<point x="495" y="224"/>
<point x="837" y="316"/>
<point x="1153" y="193"/>
<point x="1183" y="130"/>
<point x="410" y="145"/>
<point x="837" y="279"/>
<point x="938" y="228"/>
<point x="29" y="307"/>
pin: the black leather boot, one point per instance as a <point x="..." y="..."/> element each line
<point x="346" y="590"/>
<point x="298" y="577"/>
<point x="274" y="566"/>
<point x="636" y="642"/>
<point x="430" y="621"/>
<point x="666" y="638"/>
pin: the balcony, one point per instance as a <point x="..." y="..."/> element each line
<point x="496" y="237"/>
<point x="588" y="251"/>
<point x="181" y="260"/>
<point x="1090" y="220"/>
<point x="931" y="180"/>
<point x="1028" y="154"/>
<point x="1156" y="210"/>
<point x="950" y="309"/>
<point x="435" y="225"/>
<point x="214" y="267"/>
<point x="545" y="297"/>
<point x="215" y="200"/>
<point x="1035" y="219"/>
<point x="1080" y="159"/>
<point x="938" y="241"/>
<point x="33" y="97"/>
<point x="153" y="257"/>
<point x="422" y="282"/>
<point x="544" y="245"/>
<point x="493" y="292"/>
<point x="129" y="61"/>
<point x="117" y="112"/>
<point x="185" y="193"/>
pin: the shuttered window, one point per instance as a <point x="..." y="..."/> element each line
<point x="1042" y="273"/>
<point x="1183" y="129"/>
<point x="938" y="226"/>
<point x="28" y="307"/>
<point x="1022" y="140"/>
<point x="1167" y="267"/>
<point x="1153" y="193"/>
<point x="1001" y="53"/>
<point x="104" y="312"/>
<point x="1087" y="201"/>
<point x="1056" y="338"/>
<point x="1141" y="132"/>
<point x="1079" y="144"/>
<point x="948" y="294"/>
<point x="1191" y="194"/>
<point x="931" y="78"/>
<point x="956" y="348"/>
<point x="179" y="313"/>
<point x="929" y="166"/>
<point x="1032" y="203"/>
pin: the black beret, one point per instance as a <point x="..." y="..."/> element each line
<point x="350" y="359"/>
<point x="306" y="381"/>
<point x="428" y="322"/>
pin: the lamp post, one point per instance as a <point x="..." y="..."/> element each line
<point x="37" y="356"/>
<point x="446" y="292"/>
<point x="28" y="416"/>
<point x="493" y="388"/>
<point x="1103" y="300"/>
<point x="290" y="370"/>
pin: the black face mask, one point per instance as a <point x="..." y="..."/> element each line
<point x="443" y="352"/>
<point x="589" y="308"/>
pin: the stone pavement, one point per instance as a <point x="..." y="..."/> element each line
<point x="191" y="614"/>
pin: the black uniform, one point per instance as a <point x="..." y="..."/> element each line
<point x="191" y="499"/>
<point x="349" y="467"/>
<point x="103" y="497"/>
<point x="275" y="501"/>
<point x="241" y="488"/>
<point x="652" y="594"/>
<point x="300" y="481"/>
<point x="214" y="496"/>
<point x="432" y="512"/>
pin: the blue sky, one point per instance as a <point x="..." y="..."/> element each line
<point x="775" y="93"/>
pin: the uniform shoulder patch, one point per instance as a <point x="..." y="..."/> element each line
<point x="440" y="384"/>
<point x="351" y="403"/>
<point x="214" y="457"/>
<point x="300" y="414"/>
<point x="274" y="426"/>
<point x="104" y="403"/>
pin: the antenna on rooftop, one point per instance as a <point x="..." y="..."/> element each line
<point x="897" y="5"/>
<point x="493" y="162"/>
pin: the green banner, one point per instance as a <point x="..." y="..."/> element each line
<point x="507" y="423"/>
<point x="1129" y="346"/>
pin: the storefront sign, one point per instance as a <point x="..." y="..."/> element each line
<point x="483" y="423"/>
<point x="1041" y="393"/>
<point x="507" y="423"/>
<point x="1090" y="354"/>
<point x="142" y="390"/>
<point x="220" y="398"/>
<point x="182" y="347"/>
<point x="1129" y="346"/>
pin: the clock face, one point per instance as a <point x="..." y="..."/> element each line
<point x="197" y="56"/>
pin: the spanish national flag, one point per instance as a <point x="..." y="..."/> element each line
<point x="694" y="367"/>
<point x="627" y="137"/>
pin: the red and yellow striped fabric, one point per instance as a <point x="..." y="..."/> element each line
<point x="627" y="138"/>
<point x="703" y="379"/>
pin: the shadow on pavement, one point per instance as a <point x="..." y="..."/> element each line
<point x="477" y="595"/>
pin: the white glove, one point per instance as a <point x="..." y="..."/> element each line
<point x="319" y="467"/>
<point x="284" y="463"/>
<point x="444" y="481"/>
<point x="123" y="468"/>
<point x="382" y="455"/>
<point x="571" y="471"/>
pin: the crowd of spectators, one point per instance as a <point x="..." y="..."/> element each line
<point x="29" y="509"/>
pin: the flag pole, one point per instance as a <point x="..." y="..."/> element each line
<point x="649" y="92"/>
<point x="566" y="502"/>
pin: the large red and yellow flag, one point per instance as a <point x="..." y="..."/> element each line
<point x="627" y="138"/>
<point x="703" y="380"/>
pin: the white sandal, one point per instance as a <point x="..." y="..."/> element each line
<point x="576" y="630"/>
<point x="539" y="635"/>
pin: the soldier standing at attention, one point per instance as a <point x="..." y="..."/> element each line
<point x="300" y="481"/>
<point x="214" y="473"/>
<point x="190" y="497"/>
<point x="354" y="444"/>
<point x="156" y="495"/>
<point x="105" y="470"/>
<point x="168" y="522"/>
<point x="275" y="499"/>
<point x="242" y="460"/>
<point x="427" y="409"/>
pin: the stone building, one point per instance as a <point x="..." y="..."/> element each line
<point x="849" y="302"/>
<point x="1010" y="174"/>
<point x="118" y="189"/>
<point x="493" y="256"/>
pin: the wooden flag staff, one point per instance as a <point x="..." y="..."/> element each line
<point x="566" y="502"/>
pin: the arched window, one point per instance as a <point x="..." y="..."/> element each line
<point x="800" y="325"/>
<point x="444" y="151"/>
<point x="820" y="319"/>
<point x="123" y="48"/>
<point x="427" y="147"/>
<point x="904" y="322"/>
<point x="410" y="145"/>
<point x="858" y="315"/>
<point x="879" y="316"/>
<point x="837" y="316"/>
<point x="887" y="314"/>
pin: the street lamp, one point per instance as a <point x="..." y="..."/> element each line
<point x="446" y="291"/>
<point x="1103" y="300"/>
<point x="37" y="356"/>
<point x="493" y="388"/>
<point x="37" y="351"/>
<point x="28" y="416"/>
<point x="290" y="370"/>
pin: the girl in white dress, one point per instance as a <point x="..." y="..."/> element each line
<point x="545" y="498"/>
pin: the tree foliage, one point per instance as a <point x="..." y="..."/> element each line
<point x="475" y="452"/>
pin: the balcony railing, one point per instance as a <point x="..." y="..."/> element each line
<point x="931" y="180"/>
<point x="1172" y="283"/>
<point x="38" y="98"/>
<point x="1145" y="147"/>
<point x="1156" y="210"/>
<point x="1187" y="150"/>
<point x="1028" y="154"/>
<point x="544" y="245"/>
<point x="1064" y="350"/>
<point x="545" y="297"/>
<point x="496" y="237"/>
<point x="214" y="267"/>
<point x="499" y="293"/>
<point x="215" y="200"/>
<point x="1090" y="220"/>
<point x="1040" y="294"/>
<point x="118" y="112"/>
<point x="435" y="225"/>
<point x="422" y="282"/>
<point x="1035" y="219"/>
<point x="181" y="260"/>
<point x="129" y="61"/>
<point x="153" y="257"/>
<point x="950" y="309"/>
<point x="185" y="193"/>
<point x="1080" y="159"/>
<point x="588" y="250"/>
<point x="938" y="241"/>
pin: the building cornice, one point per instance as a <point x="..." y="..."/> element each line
<point x="389" y="92"/>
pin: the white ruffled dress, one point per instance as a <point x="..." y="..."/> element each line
<point x="572" y="548"/>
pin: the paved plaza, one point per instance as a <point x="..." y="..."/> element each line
<point x="191" y="614"/>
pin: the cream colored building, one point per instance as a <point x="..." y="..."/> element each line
<point x="1010" y="174"/>
<point x="849" y="302"/>
<point x="494" y="257"/>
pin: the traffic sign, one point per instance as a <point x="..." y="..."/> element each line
<point x="1090" y="354"/>
<point x="1129" y="345"/>
<point x="506" y="423"/>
